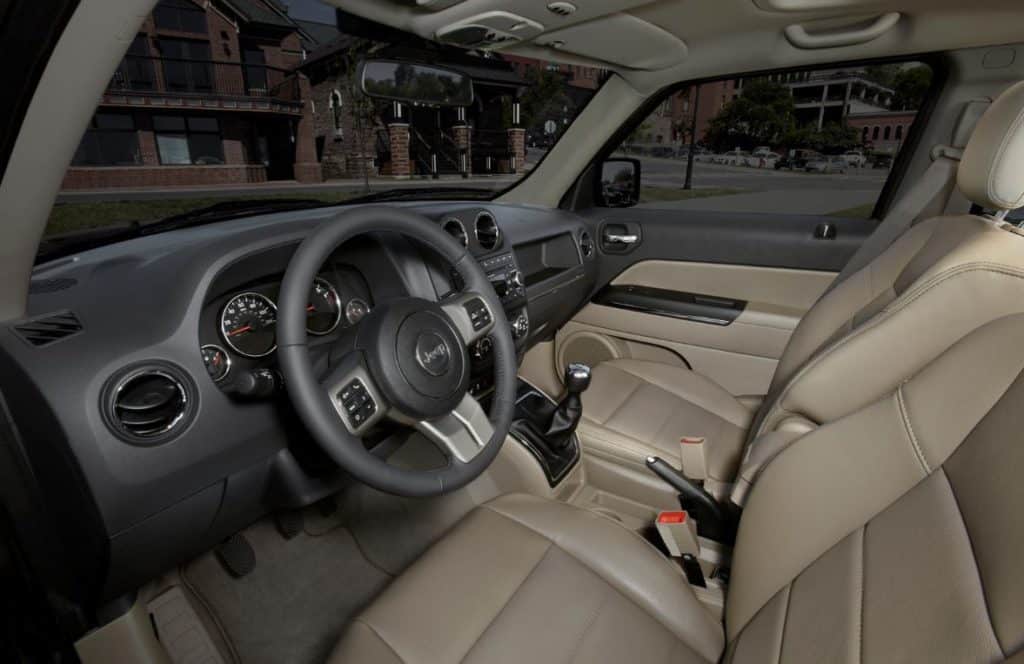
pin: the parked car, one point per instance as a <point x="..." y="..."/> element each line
<point x="835" y="164"/>
<point x="797" y="159"/>
<point x="855" y="158"/>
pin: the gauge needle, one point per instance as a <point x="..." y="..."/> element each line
<point x="239" y="330"/>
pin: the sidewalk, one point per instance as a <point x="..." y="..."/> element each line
<point x="281" y="187"/>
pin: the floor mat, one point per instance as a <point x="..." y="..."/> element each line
<point x="292" y="607"/>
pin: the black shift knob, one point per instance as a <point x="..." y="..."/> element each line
<point x="577" y="378"/>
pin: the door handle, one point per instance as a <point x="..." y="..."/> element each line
<point x="621" y="238"/>
<point x="825" y="231"/>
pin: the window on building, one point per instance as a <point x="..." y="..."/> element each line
<point x="780" y="147"/>
<point x="188" y="140"/>
<point x="336" y="112"/>
<point x="187" y="65"/>
<point x="255" y="67"/>
<point x="136" y="70"/>
<point x="110" y="140"/>
<point x="180" y="16"/>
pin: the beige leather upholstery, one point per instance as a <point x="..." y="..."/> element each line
<point x="891" y="534"/>
<point x="936" y="283"/>
<point x="992" y="168"/>
<point x="524" y="579"/>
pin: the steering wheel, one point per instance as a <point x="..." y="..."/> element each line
<point x="409" y="362"/>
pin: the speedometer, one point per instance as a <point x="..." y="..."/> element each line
<point x="248" y="324"/>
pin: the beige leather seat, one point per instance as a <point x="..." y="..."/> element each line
<point x="892" y="534"/>
<point x="936" y="283"/>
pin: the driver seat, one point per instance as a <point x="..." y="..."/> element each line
<point x="891" y="534"/>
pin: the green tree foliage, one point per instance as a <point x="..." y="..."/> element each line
<point x="544" y="99"/>
<point x="911" y="86"/>
<point x="761" y="115"/>
<point x="833" y="138"/>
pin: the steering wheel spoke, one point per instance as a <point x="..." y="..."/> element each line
<point x="462" y="433"/>
<point x="471" y="316"/>
<point x="355" y="397"/>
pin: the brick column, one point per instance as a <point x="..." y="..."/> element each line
<point x="464" y="143"/>
<point x="398" y="139"/>
<point x="517" y="149"/>
<point x="307" y="168"/>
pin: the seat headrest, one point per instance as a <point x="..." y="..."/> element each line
<point x="991" y="170"/>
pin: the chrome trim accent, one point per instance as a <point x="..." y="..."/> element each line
<point x="497" y="230"/>
<point x="226" y="357"/>
<point x="224" y="333"/>
<point x="135" y="375"/>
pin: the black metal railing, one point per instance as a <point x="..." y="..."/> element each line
<point x="145" y="74"/>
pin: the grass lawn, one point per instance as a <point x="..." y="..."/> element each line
<point x="858" y="212"/>
<point x="655" y="194"/>
<point x="70" y="217"/>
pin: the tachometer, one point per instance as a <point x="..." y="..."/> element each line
<point x="248" y="323"/>
<point x="323" y="313"/>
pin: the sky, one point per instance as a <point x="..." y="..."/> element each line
<point x="310" y="10"/>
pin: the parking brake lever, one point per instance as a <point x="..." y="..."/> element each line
<point x="712" y="520"/>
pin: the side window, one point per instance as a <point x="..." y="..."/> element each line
<point x="819" y="142"/>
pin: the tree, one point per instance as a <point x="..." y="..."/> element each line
<point x="544" y="98"/>
<point x="833" y="138"/>
<point x="761" y="115"/>
<point x="911" y="86"/>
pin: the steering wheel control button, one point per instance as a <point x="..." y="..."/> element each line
<point x="357" y="402"/>
<point x="479" y="314"/>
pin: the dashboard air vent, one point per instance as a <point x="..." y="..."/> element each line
<point x="455" y="228"/>
<point x="149" y="404"/>
<point x="40" y="286"/>
<point x="487" y="232"/>
<point x="46" y="330"/>
<point x="586" y="245"/>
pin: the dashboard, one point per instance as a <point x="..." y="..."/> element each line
<point x="146" y="374"/>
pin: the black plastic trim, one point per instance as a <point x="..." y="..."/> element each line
<point x="675" y="304"/>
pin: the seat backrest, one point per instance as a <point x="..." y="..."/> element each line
<point x="894" y="533"/>
<point x="938" y="281"/>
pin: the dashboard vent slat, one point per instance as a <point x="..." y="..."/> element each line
<point x="455" y="228"/>
<point x="487" y="232"/>
<point x="148" y="404"/>
<point x="46" y="330"/>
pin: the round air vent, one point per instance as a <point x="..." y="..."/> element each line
<point x="487" y="232"/>
<point x="455" y="228"/>
<point x="586" y="245"/>
<point x="149" y="404"/>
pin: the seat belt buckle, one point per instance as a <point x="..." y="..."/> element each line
<point x="691" y="453"/>
<point x="678" y="532"/>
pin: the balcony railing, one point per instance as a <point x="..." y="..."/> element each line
<point x="207" y="78"/>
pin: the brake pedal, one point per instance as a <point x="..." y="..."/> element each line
<point x="289" y="523"/>
<point x="236" y="556"/>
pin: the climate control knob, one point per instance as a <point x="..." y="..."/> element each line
<point x="520" y="326"/>
<point x="515" y="279"/>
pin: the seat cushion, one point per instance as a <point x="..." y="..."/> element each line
<point x="635" y="409"/>
<point x="525" y="579"/>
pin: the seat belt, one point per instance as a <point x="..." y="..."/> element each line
<point x="926" y="198"/>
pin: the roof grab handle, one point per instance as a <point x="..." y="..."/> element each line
<point x="799" y="37"/>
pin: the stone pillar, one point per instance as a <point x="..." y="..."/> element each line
<point x="307" y="168"/>
<point x="398" y="138"/>
<point x="464" y="144"/>
<point x="516" y="149"/>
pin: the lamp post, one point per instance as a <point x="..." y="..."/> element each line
<point x="688" y="182"/>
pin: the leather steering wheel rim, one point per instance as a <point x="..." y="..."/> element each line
<point x="313" y="401"/>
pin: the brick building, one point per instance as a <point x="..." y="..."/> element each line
<point x="207" y="94"/>
<point x="882" y="131"/>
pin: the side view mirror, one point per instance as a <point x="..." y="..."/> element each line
<point x="415" y="83"/>
<point x="620" y="182"/>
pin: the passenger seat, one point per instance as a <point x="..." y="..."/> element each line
<point x="939" y="281"/>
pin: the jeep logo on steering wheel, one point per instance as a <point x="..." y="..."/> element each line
<point x="432" y="353"/>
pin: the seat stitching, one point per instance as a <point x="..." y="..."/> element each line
<point x="692" y="398"/>
<point x="785" y="621"/>
<point x="590" y="624"/>
<point x="380" y="638"/>
<point x="625" y="400"/>
<point x="974" y="556"/>
<point x="895" y="307"/>
<point x="994" y="168"/>
<point x="905" y="416"/>
<point x="508" y="600"/>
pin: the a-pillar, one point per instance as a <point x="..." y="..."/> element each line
<point x="307" y="168"/>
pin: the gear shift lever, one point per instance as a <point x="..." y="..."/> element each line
<point x="569" y="411"/>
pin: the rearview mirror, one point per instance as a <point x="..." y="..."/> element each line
<point x="415" y="83"/>
<point x="620" y="182"/>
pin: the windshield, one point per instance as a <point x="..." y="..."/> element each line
<point x="215" y="105"/>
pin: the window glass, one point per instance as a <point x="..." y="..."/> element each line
<point x="816" y="142"/>
<point x="111" y="140"/>
<point x="180" y="15"/>
<point x="195" y="140"/>
<point x="187" y="65"/>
